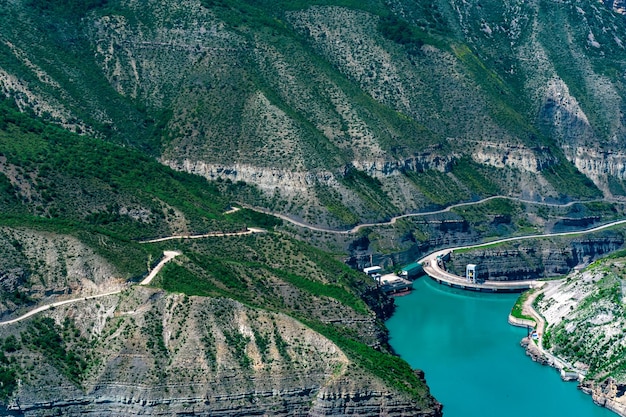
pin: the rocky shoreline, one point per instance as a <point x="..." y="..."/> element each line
<point x="608" y="393"/>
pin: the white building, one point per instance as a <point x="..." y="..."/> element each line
<point x="372" y="270"/>
<point x="470" y="273"/>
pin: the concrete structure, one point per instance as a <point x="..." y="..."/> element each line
<point x="470" y="273"/>
<point x="391" y="283"/>
<point x="434" y="268"/>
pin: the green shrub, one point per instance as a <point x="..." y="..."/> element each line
<point x="43" y="335"/>
<point x="566" y="178"/>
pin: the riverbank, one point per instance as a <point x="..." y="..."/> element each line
<point x="605" y="394"/>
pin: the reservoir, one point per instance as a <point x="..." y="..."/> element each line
<point x="472" y="358"/>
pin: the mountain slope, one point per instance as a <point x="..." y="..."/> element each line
<point x="584" y="327"/>
<point x="293" y="96"/>
<point x="237" y="323"/>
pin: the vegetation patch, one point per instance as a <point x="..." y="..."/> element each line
<point x="474" y="178"/>
<point x="616" y="186"/>
<point x="336" y="292"/>
<point x="94" y="183"/>
<point x="258" y="12"/>
<point x="153" y="330"/>
<point x="331" y="199"/>
<point x="281" y="345"/>
<point x="516" y="311"/>
<point x="10" y="369"/>
<point x="389" y="368"/>
<point x="238" y="279"/>
<point x="238" y="344"/>
<point x="411" y="37"/>
<point x="369" y="189"/>
<point x="175" y="278"/>
<point x="438" y="187"/>
<point x="49" y="339"/>
<point x="253" y="218"/>
<point x="569" y="181"/>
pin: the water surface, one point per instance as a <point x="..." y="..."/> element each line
<point x="472" y="357"/>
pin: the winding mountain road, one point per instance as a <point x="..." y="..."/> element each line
<point x="394" y="219"/>
<point x="248" y="231"/>
<point x="168" y="256"/>
<point x="540" y="327"/>
<point x="57" y="304"/>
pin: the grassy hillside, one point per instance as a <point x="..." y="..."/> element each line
<point x="590" y="334"/>
<point x="278" y="274"/>
<point x="49" y="173"/>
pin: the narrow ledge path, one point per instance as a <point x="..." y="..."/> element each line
<point x="57" y="304"/>
<point x="540" y="328"/>
<point x="248" y="231"/>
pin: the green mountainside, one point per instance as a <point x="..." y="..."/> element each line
<point x="295" y="96"/>
<point x="585" y="322"/>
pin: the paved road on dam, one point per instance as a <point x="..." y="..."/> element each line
<point x="435" y="271"/>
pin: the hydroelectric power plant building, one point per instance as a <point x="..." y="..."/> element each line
<point x="412" y="271"/>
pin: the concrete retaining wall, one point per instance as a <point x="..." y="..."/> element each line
<point x="514" y="321"/>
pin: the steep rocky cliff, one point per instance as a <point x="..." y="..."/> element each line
<point x="162" y="354"/>
<point x="300" y="345"/>
<point x="541" y="259"/>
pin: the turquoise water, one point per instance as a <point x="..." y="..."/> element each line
<point x="472" y="357"/>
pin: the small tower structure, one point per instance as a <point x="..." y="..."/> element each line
<point x="470" y="273"/>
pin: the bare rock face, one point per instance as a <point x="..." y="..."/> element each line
<point x="609" y="393"/>
<point x="532" y="262"/>
<point x="502" y="155"/>
<point x="374" y="403"/>
<point x="344" y="397"/>
<point x="534" y="353"/>
<point x="267" y="179"/>
<point x="618" y="6"/>
<point x="417" y="163"/>
<point x="37" y="266"/>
